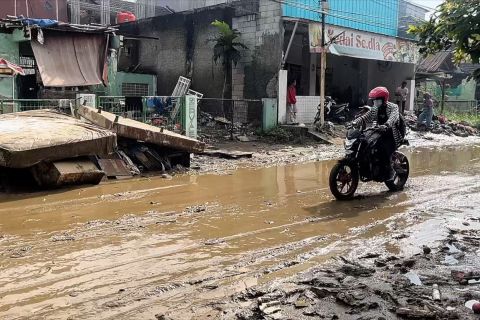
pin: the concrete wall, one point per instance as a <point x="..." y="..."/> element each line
<point x="256" y="76"/>
<point x="307" y="107"/>
<point x="183" y="49"/>
<point x="347" y="79"/>
<point x="363" y="75"/>
<point x="389" y="75"/>
<point x="182" y="5"/>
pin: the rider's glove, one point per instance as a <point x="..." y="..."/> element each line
<point x="383" y="128"/>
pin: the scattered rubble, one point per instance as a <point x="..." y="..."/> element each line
<point x="348" y="289"/>
<point x="441" y="125"/>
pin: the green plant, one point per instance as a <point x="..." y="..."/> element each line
<point x="279" y="134"/>
<point x="472" y="119"/>
<point x="227" y="50"/>
<point x="454" y="26"/>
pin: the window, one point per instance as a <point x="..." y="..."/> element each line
<point x="134" y="89"/>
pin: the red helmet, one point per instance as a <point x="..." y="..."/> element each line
<point x="379" y="93"/>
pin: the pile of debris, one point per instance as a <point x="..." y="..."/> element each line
<point x="213" y="129"/>
<point x="58" y="149"/>
<point x="442" y="125"/>
<point x="375" y="286"/>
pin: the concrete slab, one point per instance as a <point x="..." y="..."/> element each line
<point x="70" y="172"/>
<point x="325" y="138"/>
<point x="136" y="130"/>
<point x="30" y="137"/>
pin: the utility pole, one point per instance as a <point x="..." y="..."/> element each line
<point x="323" y="65"/>
<point x="443" y="96"/>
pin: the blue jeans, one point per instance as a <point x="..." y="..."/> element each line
<point x="426" y="116"/>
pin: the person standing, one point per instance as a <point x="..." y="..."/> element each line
<point x="425" y="118"/>
<point x="401" y="93"/>
<point x="292" y="103"/>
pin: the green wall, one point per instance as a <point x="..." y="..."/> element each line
<point x="9" y="51"/>
<point x="117" y="78"/>
<point x="122" y="77"/>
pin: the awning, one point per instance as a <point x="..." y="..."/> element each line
<point x="68" y="59"/>
<point x="7" y="67"/>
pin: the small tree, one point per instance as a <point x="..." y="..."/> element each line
<point x="227" y="50"/>
<point x="455" y="25"/>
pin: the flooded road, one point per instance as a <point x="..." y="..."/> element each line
<point x="133" y="249"/>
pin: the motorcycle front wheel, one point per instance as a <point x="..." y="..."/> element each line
<point x="402" y="169"/>
<point x="343" y="181"/>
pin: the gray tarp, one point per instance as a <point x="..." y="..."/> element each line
<point x="70" y="59"/>
<point x="27" y="138"/>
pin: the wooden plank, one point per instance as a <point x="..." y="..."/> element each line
<point x="114" y="168"/>
<point x="227" y="154"/>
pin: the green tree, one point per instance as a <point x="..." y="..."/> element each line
<point x="454" y="26"/>
<point x="227" y="50"/>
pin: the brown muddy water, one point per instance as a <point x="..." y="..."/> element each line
<point x="133" y="249"/>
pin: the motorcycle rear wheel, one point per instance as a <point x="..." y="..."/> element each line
<point x="402" y="169"/>
<point x="343" y="175"/>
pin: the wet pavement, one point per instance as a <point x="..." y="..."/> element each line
<point x="133" y="249"/>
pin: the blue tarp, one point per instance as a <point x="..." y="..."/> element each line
<point x="42" y="23"/>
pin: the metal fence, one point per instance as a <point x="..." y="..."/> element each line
<point x="19" y="105"/>
<point x="461" y="106"/>
<point x="225" y="117"/>
<point x="228" y="117"/>
<point x="160" y="111"/>
<point x="471" y="107"/>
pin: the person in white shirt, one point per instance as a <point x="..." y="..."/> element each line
<point x="401" y="93"/>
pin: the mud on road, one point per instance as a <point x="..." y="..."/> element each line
<point x="189" y="247"/>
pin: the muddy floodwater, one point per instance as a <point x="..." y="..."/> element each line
<point x="133" y="249"/>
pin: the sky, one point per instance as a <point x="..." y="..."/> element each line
<point x="432" y="4"/>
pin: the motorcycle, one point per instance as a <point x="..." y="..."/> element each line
<point x="333" y="112"/>
<point x="362" y="163"/>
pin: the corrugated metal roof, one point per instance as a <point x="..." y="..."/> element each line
<point x="441" y="61"/>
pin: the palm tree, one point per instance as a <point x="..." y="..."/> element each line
<point x="227" y="50"/>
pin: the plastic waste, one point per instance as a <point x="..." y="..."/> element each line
<point x="436" y="295"/>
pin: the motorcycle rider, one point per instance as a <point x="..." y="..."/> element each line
<point x="386" y="115"/>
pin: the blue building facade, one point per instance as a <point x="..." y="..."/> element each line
<point x="377" y="16"/>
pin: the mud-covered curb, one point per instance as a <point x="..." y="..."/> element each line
<point x="267" y="155"/>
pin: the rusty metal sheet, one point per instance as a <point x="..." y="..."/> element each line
<point x="114" y="168"/>
<point x="30" y="137"/>
<point x="70" y="59"/>
<point x="132" y="129"/>
<point x="40" y="9"/>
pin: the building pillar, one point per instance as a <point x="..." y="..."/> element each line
<point x="282" y="96"/>
<point x="313" y="74"/>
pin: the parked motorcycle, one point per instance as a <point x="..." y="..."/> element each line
<point x="362" y="163"/>
<point x="333" y="112"/>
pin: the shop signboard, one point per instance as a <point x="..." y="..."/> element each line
<point x="363" y="45"/>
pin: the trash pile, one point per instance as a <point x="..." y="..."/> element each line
<point x="213" y="129"/>
<point x="433" y="284"/>
<point x="442" y="125"/>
